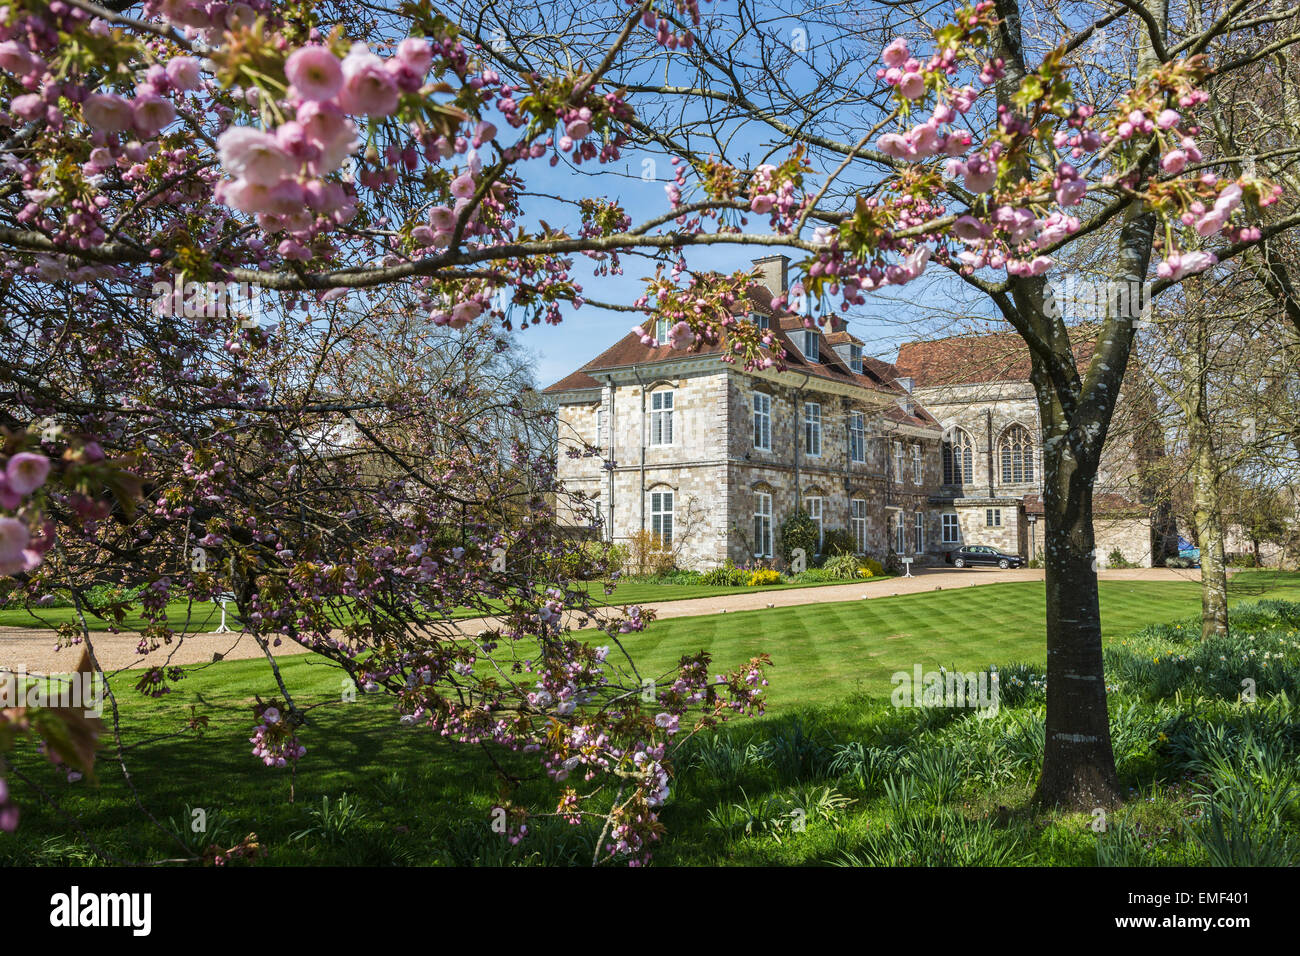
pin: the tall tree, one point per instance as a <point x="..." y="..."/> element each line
<point x="273" y="147"/>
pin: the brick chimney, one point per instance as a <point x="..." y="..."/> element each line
<point x="774" y="272"/>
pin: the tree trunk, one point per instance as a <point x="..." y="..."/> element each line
<point x="1209" y="534"/>
<point x="1205" y="484"/>
<point x="1078" y="763"/>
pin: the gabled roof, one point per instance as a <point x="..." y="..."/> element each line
<point x="976" y="359"/>
<point x="630" y="350"/>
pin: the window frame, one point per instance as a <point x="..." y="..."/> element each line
<point x="764" y="542"/>
<point x="855" y="359"/>
<point x="993" y="517"/>
<point x="658" y="514"/>
<point x="765" y="416"/>
<point x="900" y="533"/>
<point x="918" y="464"/>
<point x="857" y="437"/>
<point x="1015" y="450"/>
<point x="958" y="471"/>
<point x="661" y="330"/>
<point x="858" y="522"/>
<point x="918" y="532"/>
<point x="945" y="524"/>
<point x="811" y="346"/>
<point x="812" y="427"/>
<point x="900" y="461"/>
<point x="666" y="399"/>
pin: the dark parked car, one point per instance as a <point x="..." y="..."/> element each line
<point x="971" y="555"/>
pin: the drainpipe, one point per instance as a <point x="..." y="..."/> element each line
<point x="636" y="372"/>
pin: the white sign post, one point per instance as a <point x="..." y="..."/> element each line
<point x="223" y="629"/>
<point x="907" y="567"/>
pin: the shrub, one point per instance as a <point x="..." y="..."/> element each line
<point x="872" y="565"/>
<point x="839" y="541"/>
<point x="763" y="577"/>
<point x="726" y="576"/>
<point x="649" y="556"/>
<point x="591" y="560"/>
<point x="842" y="567"/>
<point x="813" y="576"/>
<point x="798" y="531"/>
<point x="1116" y="559"/>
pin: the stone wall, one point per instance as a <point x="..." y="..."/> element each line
<point x="715" y="471"/>
<point x="1130" y="534"/>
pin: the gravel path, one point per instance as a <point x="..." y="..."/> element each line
<point x="34" y="649"/>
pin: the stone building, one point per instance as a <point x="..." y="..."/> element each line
<point x="712" y="459"/>
<point x="978" y="388"/>
<point x="915" y="457"/>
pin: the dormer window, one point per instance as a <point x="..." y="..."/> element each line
<point x="661" y="330"/>
<point x="811" y="345"/>
<point x="759" y="320"/>
<point x="855" y="359"/>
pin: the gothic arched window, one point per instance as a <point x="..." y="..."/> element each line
<point x="958" y="457"/>
<point x="1016" y="454"/>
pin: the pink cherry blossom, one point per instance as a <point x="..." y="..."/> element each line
<point x="13" y="539"/>
<point x="912" y="85"/>
<point x="1174" y="161"/>
<point x="27" y="471"/>
<point x="415" y="54"/>
<point x="315" y="73"/>
<point x="896" y="53"/>
<point x="368" y="88"/>
<point x="151" y="114"/>
<point x="254" y="155"/>
<point x="183" y="73"/>
<point x="108" y="112"/>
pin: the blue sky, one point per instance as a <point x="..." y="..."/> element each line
<point x="936" y="304"/>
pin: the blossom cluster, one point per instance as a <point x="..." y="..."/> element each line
<point x="22" y="546"/>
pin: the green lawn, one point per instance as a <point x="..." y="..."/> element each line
<point x="423" y="800"/>
<point x="203" y="616"/>
<point x="824" y="652"/>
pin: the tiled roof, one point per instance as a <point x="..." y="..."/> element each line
<point x="976" y="359"/>
<point x="573" y="382"/>
<point x="629" y="350"/>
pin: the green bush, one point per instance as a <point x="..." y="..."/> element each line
<point x="798" y="531"/>
<point x="813" y="576"/>
<point x="838" y="541"/>
<point x="873" y="565"/>
<point x="842" y="567"/>
<point x="1116" y="559"/>
<point x="726" y="576"/>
